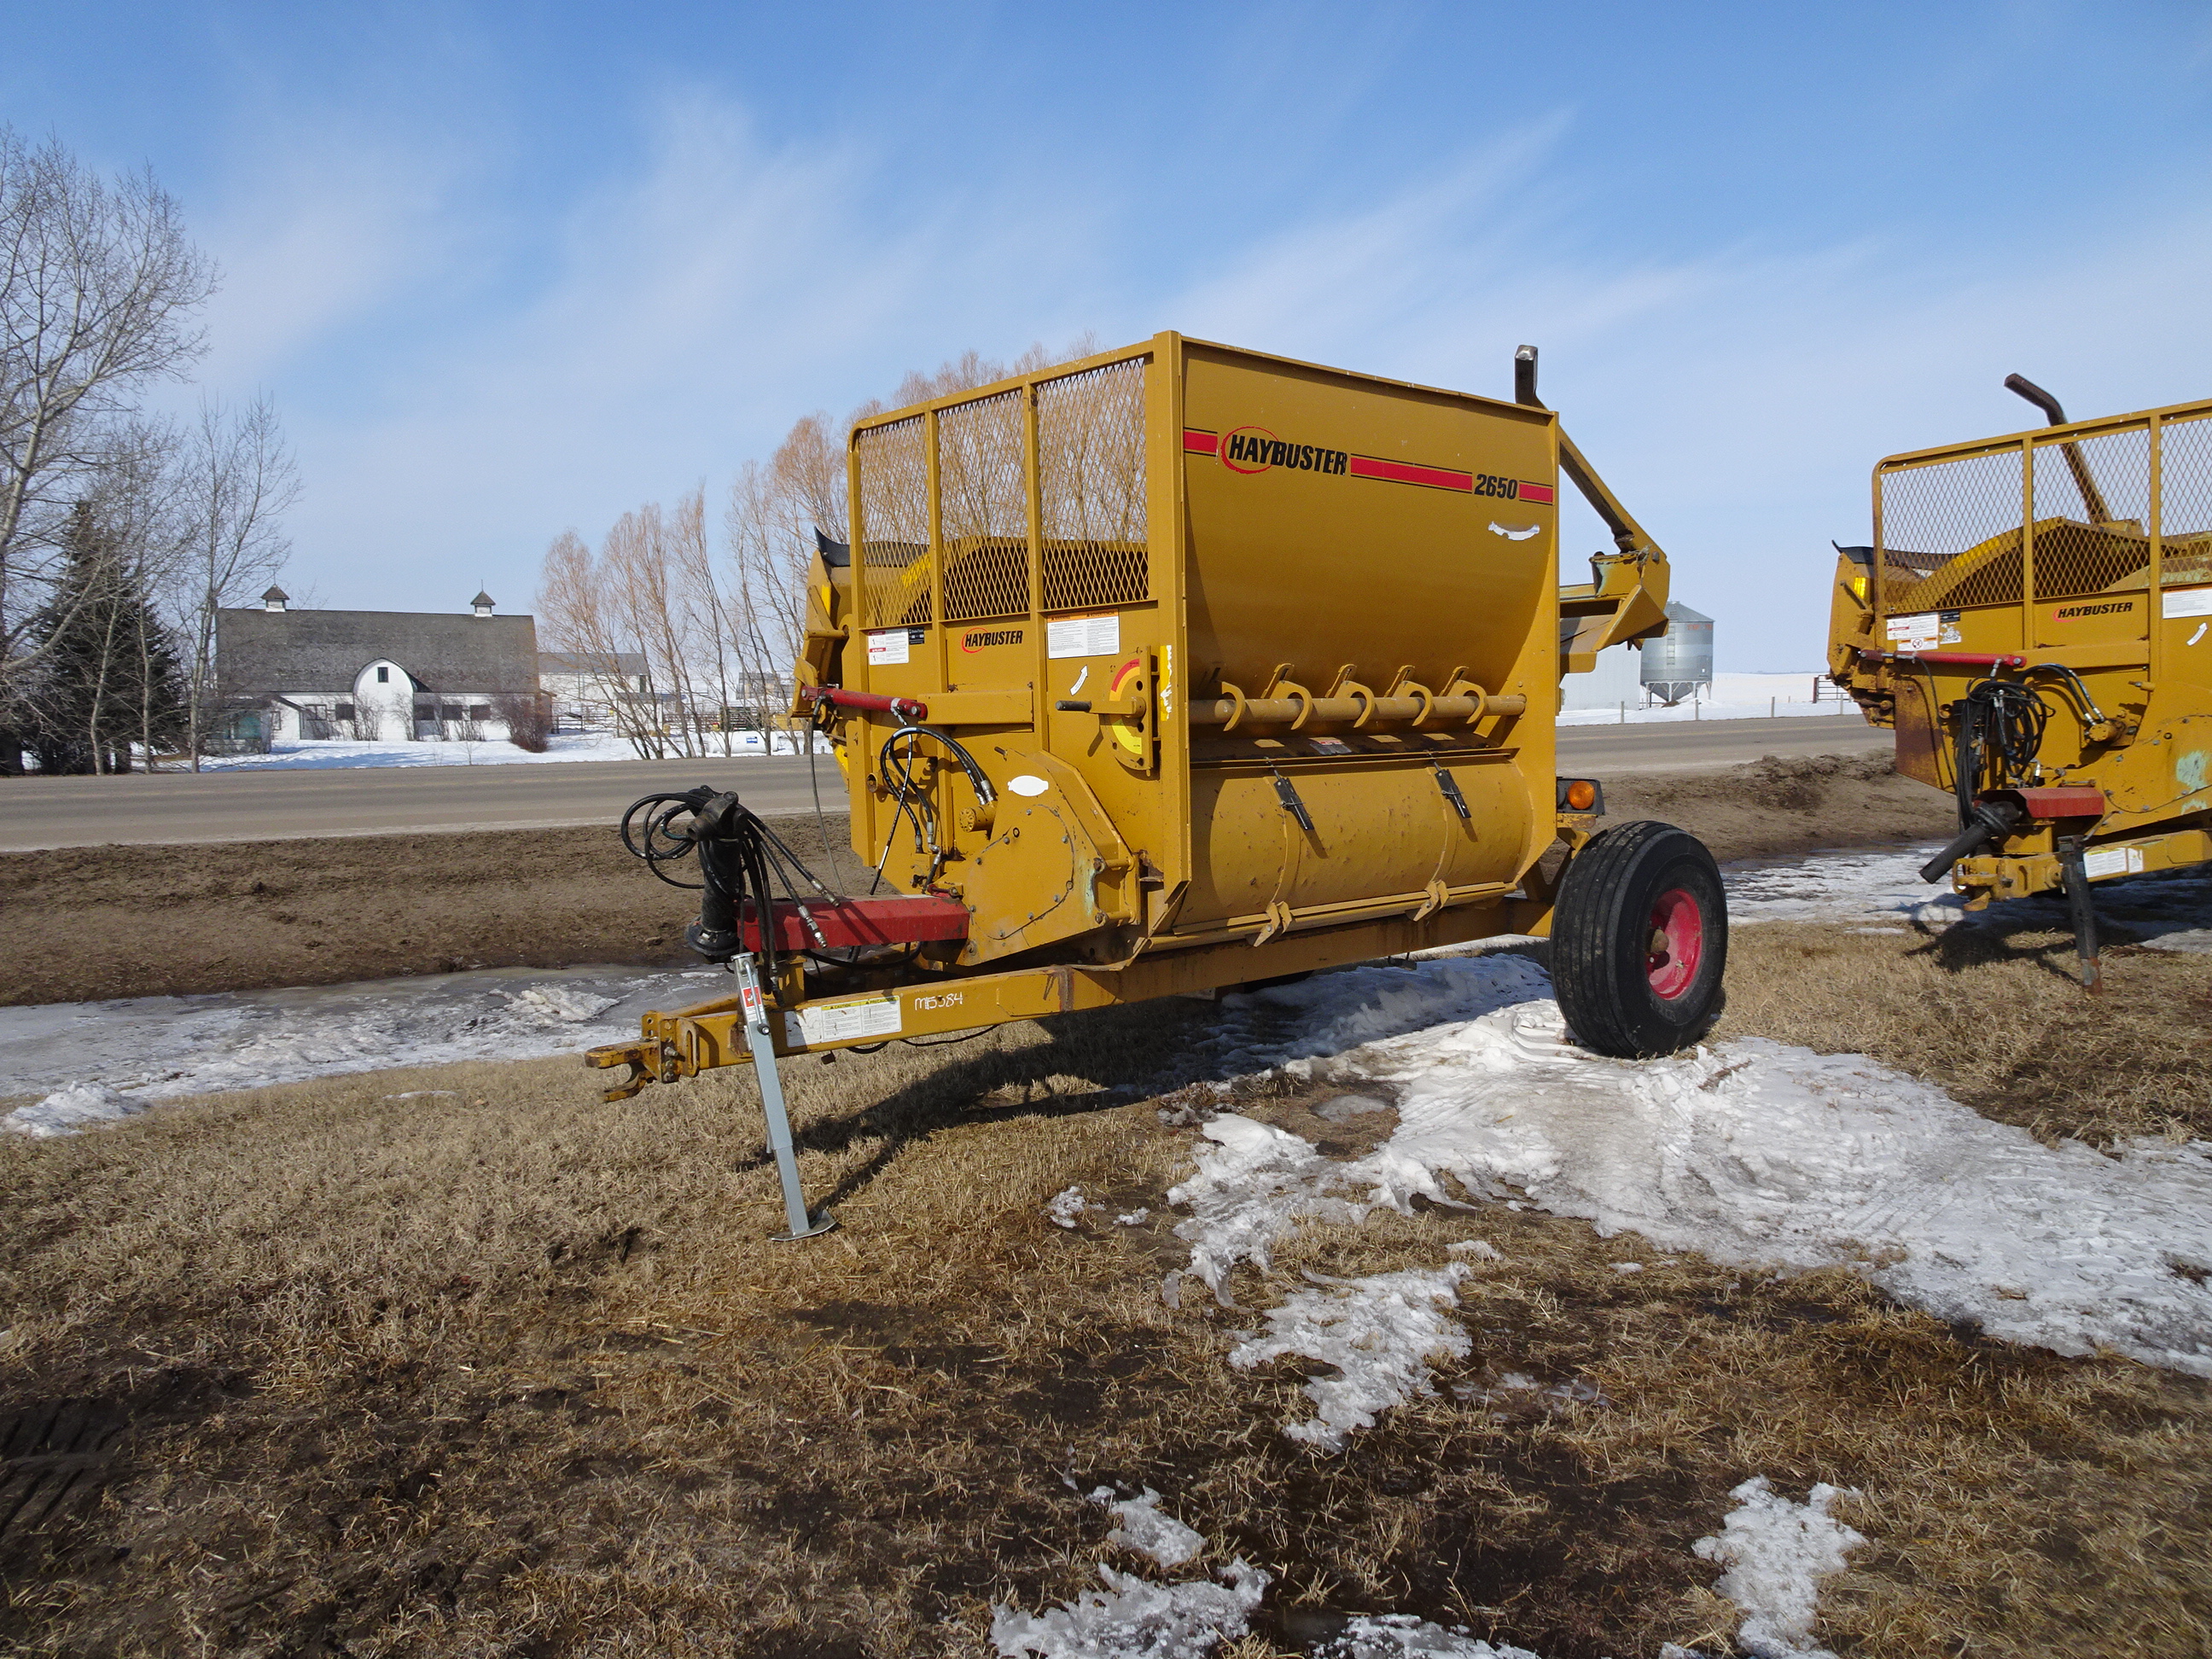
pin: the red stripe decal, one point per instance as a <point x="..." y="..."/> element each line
<point x="1437" y="477"/>
<point x="1195" y="442"/>
<point x="1535" y="492"/>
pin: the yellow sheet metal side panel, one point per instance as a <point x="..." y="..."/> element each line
<point x="1341" y="521"/>
<point x="1354" y="528"/>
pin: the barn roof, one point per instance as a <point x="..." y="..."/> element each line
<point x="287" y="652"/>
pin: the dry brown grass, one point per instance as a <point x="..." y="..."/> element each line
<point x="514" y="1371"/>
<point x="1997" y="1015"/>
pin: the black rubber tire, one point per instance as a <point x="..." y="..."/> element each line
<point x="1601" y="932"/>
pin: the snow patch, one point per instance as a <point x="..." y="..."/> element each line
<point x="66" y="1111"/>
<point x="1067" y="1208"/>
<point x="2167" y="910"/>
<point x="154" y="1048"/>
<point x="1777" y="1552"/>
<point x="1139" y="1526"/>
<point x="1131" y="1618"/>
<point x="1757" y="1153"/>
<point x="1249" y="1186"/>
<point x="1753" y="1152"/>
<point x="342" y="754"/>
<point x="1379" y="1333"/>
<point x="1402" y="1635"/>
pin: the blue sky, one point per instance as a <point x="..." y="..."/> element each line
<point x="512" y="269"/>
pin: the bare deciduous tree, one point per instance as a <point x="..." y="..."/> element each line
<point x="774" y="510"/>
<point x="528" y="717"/>
<point x="577" y="615"/>
<point x="234" y="482"/>
<point x="99" y="286"/>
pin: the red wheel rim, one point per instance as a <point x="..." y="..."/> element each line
<point x="1674" y="941"/>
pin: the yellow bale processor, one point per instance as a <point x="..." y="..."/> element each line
<point x="2034" y="618"/>
<point x="1181" y="668"/>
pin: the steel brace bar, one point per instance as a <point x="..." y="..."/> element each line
<point x="762" y="1041"/>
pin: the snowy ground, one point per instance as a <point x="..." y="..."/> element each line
<point x="95" y="1060"/>
<point x="1750" y="1151"/>
<point x="2167" y="911"/>
<point x="1767" y="1157"/>
<point x="1729" y="697"/>
<point x="338" y="753"/>
<point x="1774" y="1551"/>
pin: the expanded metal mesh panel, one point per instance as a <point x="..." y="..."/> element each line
<point x="2186" y="499"/>
<point x="2092" y="510"/>
<point x="892" y="555"/>
<point x="984" y="509"/>
<point x="1090" y="456"/>
<point x="1964" y="512"/>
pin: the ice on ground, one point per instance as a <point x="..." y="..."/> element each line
<point x="1139" y="1526"/>
<point x="1402" y="1635"/>
<point x="1777" y="1552"/>
<point x="2167" y="910"/>
<point x="151" y="1049"/>
<point x="1131" y="1618"/>
<point x="1067" y="1208"/>
<point x="1751" y="1151"/>
<point x="1248" y="1188"/>
<point x="68" y="1110"/>
<point x="1480" y="1248"/>
<point x="1349" y="1106"/>
<point x="1378" y="1333"/>
<point x="1876" y="886"/>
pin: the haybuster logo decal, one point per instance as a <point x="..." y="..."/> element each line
<point x="976" y="639"/>
<point x="1253" y="449"/>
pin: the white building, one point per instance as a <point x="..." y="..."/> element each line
<point x="1617" y="679"/>
<point x="373" y="674"/>
<point x="586" y="687"/>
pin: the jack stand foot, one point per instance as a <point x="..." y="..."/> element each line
<point x="820" y="1222"/>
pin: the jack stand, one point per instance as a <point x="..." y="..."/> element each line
<point x="2077" y="873"/>
<point x="760" y="1039"/>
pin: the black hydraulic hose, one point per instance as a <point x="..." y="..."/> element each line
<point x="1989" y="820"/>
<point x="741" y="862"/>
<point x="2000" y="730"/>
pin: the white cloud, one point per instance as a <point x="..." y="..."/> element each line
<point x="315" y="238"/>
<point x="463" y="383"/>
<point x="687" y="312"/>
<point x="1737" y="399"/>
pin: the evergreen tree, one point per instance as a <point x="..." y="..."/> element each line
<point x="110" y="677"/>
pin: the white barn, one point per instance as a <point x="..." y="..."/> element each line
<point x="375" y="675"/>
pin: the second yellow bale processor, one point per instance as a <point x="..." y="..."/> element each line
<point x="2034" y="618"/>
<point x="1181" y="668"/>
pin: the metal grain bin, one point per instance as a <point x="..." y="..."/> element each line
<point x="1677" y="662"/>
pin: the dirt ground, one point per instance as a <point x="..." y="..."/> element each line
<point x="463" y="1361"/>
<point x="88" y="923"/>
<point x="91" y="922"/>
<point x="1785" y="805"/>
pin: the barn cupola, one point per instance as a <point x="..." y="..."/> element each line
<point x="483" y="603"/>
<point x="275" y="599"/>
